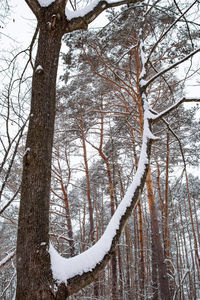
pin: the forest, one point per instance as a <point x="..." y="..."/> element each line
<point x="100" y="152"/>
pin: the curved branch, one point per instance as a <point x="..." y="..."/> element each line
<point x="79" y="271"/>
<point x="80" y="19"/>
<point x="7" y="258"/>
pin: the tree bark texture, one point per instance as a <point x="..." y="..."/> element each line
<point x="33" y="227"/>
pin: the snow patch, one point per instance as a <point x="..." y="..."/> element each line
<point x="43" y="243"/>
<point x="82" y="11"/>
<point x="142" y="81"/>
<point x="45" y="3"/>
<point x="27" y="150"/>
<point x="39" y="69"/>
<point x="85" y="10"/>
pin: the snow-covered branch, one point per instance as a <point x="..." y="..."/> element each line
<point x="7" y="259"/>
<point x="91" y="11"/>
<point x="84" y="16"/>
<point x="78" y="271"/>
<point x="80" y="18"/>
<point x="159" y="116"/>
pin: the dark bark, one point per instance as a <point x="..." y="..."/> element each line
<point x="33" y="264"/>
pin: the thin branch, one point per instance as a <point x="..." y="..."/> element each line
<point x="186" y="22"/>
<point x="158" y="117"/>
<point x="147" y="83"/>
<point x="11" y="200"/>
<point x="125" y="53"/>
<point x="178" y="288"/>
<point x="32" y="44"/>
<point x="170" y="27"/>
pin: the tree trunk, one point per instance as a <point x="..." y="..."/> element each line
<point x="33" y="228"/>
<point x="91" y="218"/>
<point x="158" y="263"/>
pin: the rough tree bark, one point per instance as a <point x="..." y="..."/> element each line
<point x="33" y="227"/>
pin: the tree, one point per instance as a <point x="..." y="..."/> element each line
<point x="33" y="227"/>
<point x="35" y="280"/>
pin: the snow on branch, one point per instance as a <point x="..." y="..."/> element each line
<point x="91" y="11"/>
<point x="80" y="18"/>
<point x="86" y="10"/>
<point x="45" y="3"/>
<point x="76" y="19"/>
<point x="159" y="116"/>
<point x="7" y="259"/>
<point x="81" y="268"/>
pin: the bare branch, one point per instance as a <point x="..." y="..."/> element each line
<point x="147" y="83"/>
<point x="171" y="108"/>
<point x="180" y="285"/>
<point x="11" y="200"/>
<point x="170" y="27"/>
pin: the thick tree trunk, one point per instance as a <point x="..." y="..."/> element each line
<point x="33" y="263"/>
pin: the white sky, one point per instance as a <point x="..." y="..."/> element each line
<point x="19" y="26"/>
<point x="21" y="23"/>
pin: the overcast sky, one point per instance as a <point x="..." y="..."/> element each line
<point x="19" y="26"/>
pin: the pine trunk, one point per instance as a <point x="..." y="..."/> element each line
<point x="157" y="249"/>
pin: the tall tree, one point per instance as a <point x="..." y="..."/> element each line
<point x="34" y="275"/>
<point x="33" y="228"/>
